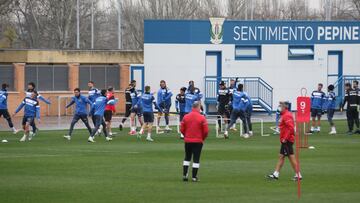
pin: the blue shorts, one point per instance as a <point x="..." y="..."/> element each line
<point x="148" y="117"/>
<point x="316" y="113"/>
<point x="28" y="119"/>
<point x="138" y="111"/>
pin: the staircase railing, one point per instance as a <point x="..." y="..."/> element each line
<point x="261" y="92"/>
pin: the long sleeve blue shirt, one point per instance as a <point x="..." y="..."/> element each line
<point x="81" y="103"/>
<point x="164" y="96"/>
<point x="32" y="108"/>
<point x="3" y="99"/>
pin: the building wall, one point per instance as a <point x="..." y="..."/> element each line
<point x="179" y="63"/>
<point x="19" y="59"/>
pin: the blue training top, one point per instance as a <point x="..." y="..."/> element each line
<point x="317" y="99"/>
<point x="32" y="108"/>
<point x="98" y="107"/>
<point x="147" y="102"/>
<point x="3" y="99"/>
<point x="189" y="101"/>
<point x="330" y="101"/>
<point x="164" y="96"/>
<point x="81" y="104"/>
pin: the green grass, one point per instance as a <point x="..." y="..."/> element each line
<point x="51" y="169"/>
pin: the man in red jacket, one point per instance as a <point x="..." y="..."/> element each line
<point x="287" y="138"/>
<point x="109" y="110"/>
<point x="195" y="129"/>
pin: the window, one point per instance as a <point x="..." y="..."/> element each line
<point x="301" y="52"/>
<point x="247" y="52"/>
<point x="103" y="76"/>
<point x="7" y="75"/>
<point x="47" y="77"/>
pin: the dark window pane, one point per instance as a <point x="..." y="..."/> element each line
<point x="98" y="76"/>
<point x="112" y="76"/>
<point x="45" y="77"/>
<point x="7" y="75"/>
<point x="84" y="76"/>
<point x="61" y="82"/>
<point x="30" y="75"/>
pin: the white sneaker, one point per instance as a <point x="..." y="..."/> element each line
<point x="91" y="139"/>
<point x="251" y="133"/>
<point x="149" y="139"/>
<point x="246" y="136"/>
<point x="141" y="132"/>
<point x="181" y="136"/>
<point x="68" y="137"/>
<point x="318" y="129"/>
<point x="226" y="134"/>
<point x="31" y="135"/>
<point x="15" y="131"/>
<point x="332" y="132"/>
<point x="23" y="139"/>
<point x="108" y="138"/>
<point x="168" y="128"/>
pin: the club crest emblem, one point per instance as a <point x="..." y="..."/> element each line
<point x="216" y="30"/>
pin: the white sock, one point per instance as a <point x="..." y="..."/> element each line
<point x="318" y="128"/>
<point x="312" y="128"/>
<point x="149" y="135"/>
<point x="133" y="128"/>
<point x="276" y="174"/>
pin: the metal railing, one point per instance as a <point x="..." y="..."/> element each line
<point x="260" y="92"/>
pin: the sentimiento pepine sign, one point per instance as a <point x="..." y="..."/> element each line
<point x="222" y="31"/>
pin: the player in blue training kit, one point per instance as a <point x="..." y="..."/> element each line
<point x="80" y="112"/>
<point x="4" y="108"/>
<point x="147" y="103"/>
<point x="31" y="88"/>
<point x="180" y="105"/>
<point x="318" y="98"/>
<point x="240" y="106"/>
<point x="329" y="106"/>
<point x="97" y="111"/>
<point x="93" y="93"/>
<point x="164" y="102"/>
<point x="190" y="99"/>
<point x="136" y="109"/>
<point x="31" y="110"/>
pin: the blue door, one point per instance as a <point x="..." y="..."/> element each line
<point x="335" y="70"/>
<point x="137" y="73"/>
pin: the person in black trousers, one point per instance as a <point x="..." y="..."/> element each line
<point x="352" y="98"/>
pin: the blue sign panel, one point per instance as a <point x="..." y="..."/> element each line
<point x="252" y="32"/>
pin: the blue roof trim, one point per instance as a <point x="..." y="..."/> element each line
<point x="198" y="32"/>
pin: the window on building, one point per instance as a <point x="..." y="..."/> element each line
<point x="247" y="52"/>
<point x="301" y="52"/>
<point x="7" y="75"/>
<point x="102" y="75"/>
<point x="47" y="77"/>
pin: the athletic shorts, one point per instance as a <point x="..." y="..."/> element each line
<point x="148" y="117"/>
<point x="165" y="108"/>
<point x="27" y="119"/>
<point x="287" y="149"/>
<point x="137" y="111"/>
<point x="222" y="110"/>
<point x="316" y="113"/>
<point x="108" y="115"/>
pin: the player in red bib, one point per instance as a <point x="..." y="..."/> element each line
<point x="287" y="138"/>
<point x="109" y="110"/>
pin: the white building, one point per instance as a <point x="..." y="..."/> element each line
<point x="274" y="59"/>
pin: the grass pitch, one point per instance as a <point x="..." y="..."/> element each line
<point x="51" y="169"/>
